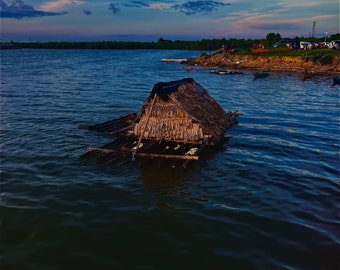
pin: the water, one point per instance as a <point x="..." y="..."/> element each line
<point x="270" y="200"/>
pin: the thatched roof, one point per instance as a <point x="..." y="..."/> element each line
<point x="185" y="105"/>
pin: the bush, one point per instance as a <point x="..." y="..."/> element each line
<point x="326" y="59"/>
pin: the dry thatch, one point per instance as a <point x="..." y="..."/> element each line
<point x="181" y="111"/>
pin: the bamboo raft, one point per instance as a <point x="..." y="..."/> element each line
<point x="177" y="122"/>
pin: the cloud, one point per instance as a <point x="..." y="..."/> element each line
<point x="290" y="4"/>
<point x="159" y="6"/>
<point x="59" y="4"/>
<point x="188" y="8"/>
<point x="257" y="19"/>
<point x="114" y="9"/>
<point x="87" y="12"/>
<point x="136" y="4"/>
<point x="272" y="22"/>
<point x="199" y="7"/>
<point x="18" y="10"/>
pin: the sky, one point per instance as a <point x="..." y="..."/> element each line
<point x="149" y="20"/>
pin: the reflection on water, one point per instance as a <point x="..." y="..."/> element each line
<point x="163" y="179"/>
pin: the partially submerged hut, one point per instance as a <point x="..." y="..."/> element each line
<point x="181" y="111"/>
<point x="176" y="121"/>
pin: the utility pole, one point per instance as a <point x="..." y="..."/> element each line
<point x="314" y="25"/>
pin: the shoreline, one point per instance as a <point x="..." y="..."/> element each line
<point x="317" y="65"/>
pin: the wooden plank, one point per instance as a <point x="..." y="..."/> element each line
<point x="120" y="131"/>
<point x="103" y="150"/>
<point x="168" y="156"/>
<point x="108" y="151"/>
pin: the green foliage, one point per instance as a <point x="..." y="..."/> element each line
<point x="318" y="52"/>
<point x="326" y="59"/>
<point x="273" y="37"/>
<point x="334" y="37"/>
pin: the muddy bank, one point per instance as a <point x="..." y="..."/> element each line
<point x="323" y="64"/>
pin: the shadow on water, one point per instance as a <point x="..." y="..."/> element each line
<point x="163" y="175"/>
<point x="163" y="179"/>
<point x="174" y="187"/>
<point x="169" y="185"/>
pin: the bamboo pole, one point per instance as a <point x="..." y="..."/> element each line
<point x="109" y="151"/>
<point x="168" y="156"/>
<point x="146" y="123"/>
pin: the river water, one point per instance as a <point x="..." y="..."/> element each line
<point x="269" y="200"/>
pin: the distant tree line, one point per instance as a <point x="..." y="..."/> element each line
<point x="204" y="44"/>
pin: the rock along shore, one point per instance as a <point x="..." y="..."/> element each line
<point x="319" y="64"/>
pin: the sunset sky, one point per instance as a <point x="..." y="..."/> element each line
<point x="148" y="20"/>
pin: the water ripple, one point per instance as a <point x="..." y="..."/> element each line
<point x="268" y="200"/>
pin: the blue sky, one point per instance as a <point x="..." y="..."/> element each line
<point x="148" y="20"/>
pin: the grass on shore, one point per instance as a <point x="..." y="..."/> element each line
<point x="274" y="52"/>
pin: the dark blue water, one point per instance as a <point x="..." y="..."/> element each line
<point x="270" y="200"/>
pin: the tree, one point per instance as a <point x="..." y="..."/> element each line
<point x="273" y="37"/>
<point x="160" y="40"/>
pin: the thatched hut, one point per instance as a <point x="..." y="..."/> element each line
<point x="181" y="111"/>
<point x="176" y="121"/>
